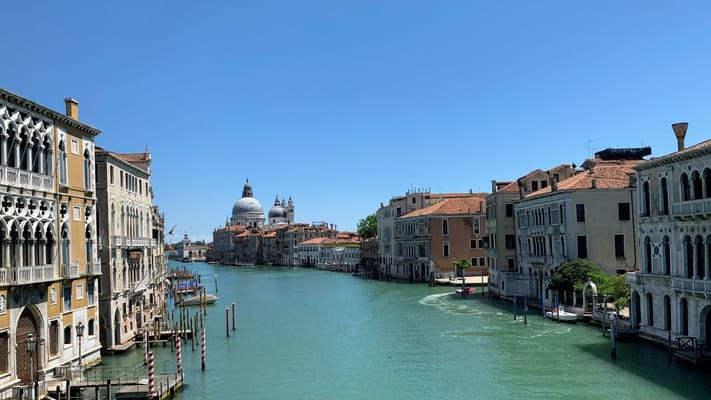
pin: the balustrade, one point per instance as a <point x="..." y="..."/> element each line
<point x="699" y="286"/>
<point x="25" y="179"/>
<point x="70" y="271"/>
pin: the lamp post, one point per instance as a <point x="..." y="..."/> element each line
<point x="80" y="334"/>
<point x="30" y="347"/>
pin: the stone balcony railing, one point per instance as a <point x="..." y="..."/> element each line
<point x="690" y="208"/>
<point x="128" y="241"/>
<point x="93" y="268"/>
<point x="28" y="275"/>
<point x="70" y="271"/>
<point x="25" y="179"/>
<point x="696" y="286"/>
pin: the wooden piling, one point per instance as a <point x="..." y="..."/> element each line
<point x="227" y="321"/>
<point x="233" y="316"/>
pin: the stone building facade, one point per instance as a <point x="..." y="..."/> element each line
<point x="133" y="265"/>
<point x="50" y="269"/>
<point x="671" y="290"/>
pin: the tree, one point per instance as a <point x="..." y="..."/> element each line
<point x="570" y="277"/>
<point x="462" y="264"/>
<point x="368" y="227"/>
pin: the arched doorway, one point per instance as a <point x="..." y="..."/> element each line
<point x="705" y="319"/>
<point x="26" y="325"/>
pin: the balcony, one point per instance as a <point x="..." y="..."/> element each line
<point x="691" y="208"/>
<point x="695" y="286"/>
<point x="70" y="271"/>
<point x="93" y="268"/>
<point x="133" y="242"/>
<point x="25" y="179"/>
<point x="27" y="275"/>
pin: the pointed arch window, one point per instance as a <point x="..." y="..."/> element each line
<point x="62" y="161"/>
<point x="66" y="246"/>
<point x="664" y="197"/>
<point x="646" y="203"/>
<point x="685" y="187"/>
<point x="666" y="262"/>
<point x="87" y="171"/>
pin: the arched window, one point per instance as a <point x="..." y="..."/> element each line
<point x="647" y="255"/>
<point x="13" y="147"/>
<point x="689" y="256"/>
<point x="664" y="197"/>
<point x="89" y="246"/>
<point x="696" y="185"/>
<point x="87" y="170"/>
<point x="646" y="201"/>
<point x="699" y="250"/>
<point x="650" y="310"/>
<point x="666" y="262"/>
<point x="667" y="313"/>
<point x="66" y="255"/>
<point x="62" y="161"/>
<point x="445" y="227"/>
<point x="684" y="317"/>
<point x="707" y="182"/>
<point x="685" y="187"/>
<point x="68" y="335"/>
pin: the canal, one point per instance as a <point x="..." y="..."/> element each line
<point x="308" y="334"/>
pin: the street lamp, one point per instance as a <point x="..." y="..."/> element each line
<point x="80" y="334"/>
<point x="30" y="347"/>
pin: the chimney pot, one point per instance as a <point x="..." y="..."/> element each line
<point x="72" y="107"/>
<point x="680" y="133"/>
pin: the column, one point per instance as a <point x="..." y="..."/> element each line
<point x="43" y="252"/>
<point x="30" y="145"/>
<point x="3" y="148"/>
<point x="31" y="253"/>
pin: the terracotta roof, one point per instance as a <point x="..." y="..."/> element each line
<point x="132" y="157"/>
<point x="604" y="175"/>
<point x="270" y="235"/>
<point x="318" y="240"/>
<point x="469" y="205"/>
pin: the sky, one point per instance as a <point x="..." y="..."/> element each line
<point x="342" y="105"/>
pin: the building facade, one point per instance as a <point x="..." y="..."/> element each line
<point x="586" y="216"/>
<point x="50" y="269"/>
<point x="501" y="227"/>
<point x="133" y="266"/>
<point x="671" y="290"/>
<point x="428" y="241"/>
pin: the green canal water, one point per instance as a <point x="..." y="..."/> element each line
<point x="308" y="334"/>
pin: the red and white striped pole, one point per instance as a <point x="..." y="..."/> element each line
<point x="180" y="359"/>
<point x="203" y="349"/>
<point x="145" y="345"/>
<point x="151" y="376"/>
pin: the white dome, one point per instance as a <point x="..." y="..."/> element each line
<point x="247" y="205"/>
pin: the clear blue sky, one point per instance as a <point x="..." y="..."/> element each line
<point x="344" y="104"/>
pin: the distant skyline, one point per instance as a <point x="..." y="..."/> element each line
<point x="342" y="105"/>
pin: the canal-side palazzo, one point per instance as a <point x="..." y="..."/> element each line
<point x="671" y="291"/>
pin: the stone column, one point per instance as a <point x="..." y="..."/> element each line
<point x="40" y="159"/>
<point x="16" y="149"/>
<point x="3" y="148"/>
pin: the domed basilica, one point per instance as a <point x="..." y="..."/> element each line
<point x="247" y="211"/>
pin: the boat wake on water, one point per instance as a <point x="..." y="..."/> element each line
<point x="440" y="301"/>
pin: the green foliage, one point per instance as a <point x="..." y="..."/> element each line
<point x="368" y="226"/>
<point x="462" y="264"/>
<point x="572" y="276"/>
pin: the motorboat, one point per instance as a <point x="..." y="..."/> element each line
<point x="559" y="314"/>
<point x="195" y="300"/>
<point x="468" y="290"/>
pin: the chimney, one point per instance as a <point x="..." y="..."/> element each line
<point x="72" y="108"/>
<point x="554" y="184"/>
<point x="680" y="133"/>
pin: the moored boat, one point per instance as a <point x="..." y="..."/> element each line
<point x="559" y="314"/>
<point x="195" y="300"/>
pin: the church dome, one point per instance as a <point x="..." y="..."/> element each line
<point x="247" y="210"/>
<point x="247" y="205"/>
<point x="277" y="212"/>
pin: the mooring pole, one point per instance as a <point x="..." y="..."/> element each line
<point x="514" y="306"/>
<point x="227" y="321"/>
<point x="233" y="316"/>
<point x="613" y="340"/>
<point x="203" y="349"/>
<point x="525" y="310"/>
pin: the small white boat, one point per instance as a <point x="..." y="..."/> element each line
<point x="195" y="300"/>
<point x="562" y="315"/>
